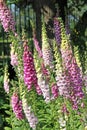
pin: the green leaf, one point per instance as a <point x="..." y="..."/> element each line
<point x="7" y="128"/>
<point x="1" y="78"/>
<point x="17" y="122"/>
<point x="19" y="128"/>
<point x="5" y="106"/>
<point x="81" y="127"/>
<point x="7" y="119"/>
<point x="8" y="112"/>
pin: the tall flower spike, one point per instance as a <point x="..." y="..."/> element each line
<point x="57" y="31"/>
<point x="29" y="115"/>
<point x="44" y="86"/>
<point x="73" y="71"/>
<point x="17" y="106"/>
<point x="6" y="18"/>
<point x="6" y="79"/>
<point x="46" y="49"/>
<point x="30" y="77"/>
<point x="61" y="78"/>
<point x="14" y="58"/>
<point x="76" y="54"/>
<point x="36" y="43"/>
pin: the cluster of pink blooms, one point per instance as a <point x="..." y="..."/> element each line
<point x="44" y="87"/>
<point x="61" y="78"/>
<point x="6" y="80"/>
<point x="30" y="77"/>
<point x="29" y="115"/>
<point x="17" y="106"/>
<point x="44" y="70"/>
<point x="46" y="49"/>
<point x="69" y="83"/>
<point x="54" y="90"/>
<point x="6" y="86"/>
<point x="6" y="18"/>
<point x="73" y="71"/>
<point x="36" y="43"/>
<point x="64" y="109"/>
<point x="63" y="84"/>
<point x="47" y="56"/>
<point x="74" y="77"/>
<point x="13" y="56"/>
<point x="42" y="73"/>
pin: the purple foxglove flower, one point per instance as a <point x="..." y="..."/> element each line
<point x="17" y="106"/>
<point x="30" y="77"/>
<point x="44" y="70"/>
<point x="63" y="84"/>
<point x="36" y="43"/>
<point x="57" y="31"/>
<point x="54" y="90"/>
<point x="75" y="80"/>
<point x="6" y="18"/>
<point x="73" y="71"/>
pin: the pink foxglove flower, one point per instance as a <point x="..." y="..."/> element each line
<point x="36" y="43"/>
<point x="6" y="18"/>
<point x="42" y="82"/>
<point x="73" y="71"/>
<point x="14" y="58"/>
<point x="61" y="79"/>
<point x="30" y="77"/>
<point x="63" y="84"/>
<point x="44" y="86"/>
<point x="46" y="49"/>
<point x="64" y="109"/>
<point x="54" y="90"/>
<point x="6" y="80"/>
<point x="17" y="106"/>
<point x="32" y="119"/>
<point x="44" y="70"/>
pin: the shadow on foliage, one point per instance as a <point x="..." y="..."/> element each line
<point x="79" y="38"/>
